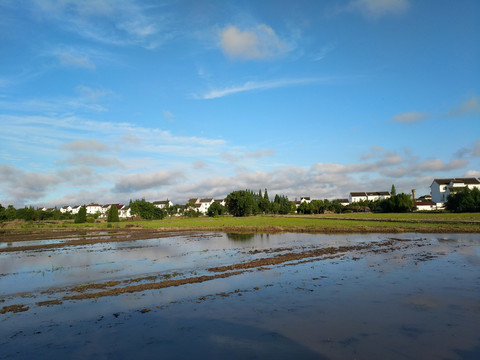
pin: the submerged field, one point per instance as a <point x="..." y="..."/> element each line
<point x="332" y="223"/>
<point x="145" y="292"/>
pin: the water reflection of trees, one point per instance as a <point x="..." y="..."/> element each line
<point x="240" y="236"/>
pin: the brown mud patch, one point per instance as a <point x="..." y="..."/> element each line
<point x="49" y="302"/>
<point x="150" y="286"/>
<point x="384" y="246"/>
<point x="14" y="308"/>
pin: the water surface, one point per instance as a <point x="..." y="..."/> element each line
<point x="417" y="300"/>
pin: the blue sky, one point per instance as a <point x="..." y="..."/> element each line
<point x="111" y="100"/>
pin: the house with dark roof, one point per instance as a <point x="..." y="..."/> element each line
<point x="368" y="195"/>
<point x="163" y="204"/>
<point x="441" y="188"/>
<point x="425" y="205"/>
<point x="205" y="204"/>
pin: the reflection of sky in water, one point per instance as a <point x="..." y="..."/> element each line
<point x="24" y="272"/>
<point x="118" y="260"/>
<point x="415" y="303"/>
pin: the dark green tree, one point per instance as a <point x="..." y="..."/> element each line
<point x="11" y="213"/>
<point x="264" y="203"/>
<point x="464" y="200"/>
<point x="81" y="216"/>
<point x="113" y="214"/>
<point x="27" y="214"/>
<point x="3" y="213"/>
<point x="216" y="209"/>
<point x="398" y="203"/>
<point x="146" y="210"/>
<point x="241" y="203"/>
<point x="281" y="205"/>
<point x="393" y="191"/>
<point x="305" y="208"/>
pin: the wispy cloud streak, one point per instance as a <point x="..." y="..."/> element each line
<point x="258" y="86"/>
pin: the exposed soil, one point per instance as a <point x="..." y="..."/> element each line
<point x="14" y="308"/>
<point x="295" y="256"/>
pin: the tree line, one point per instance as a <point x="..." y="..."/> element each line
<point x="31" y="214"/>
<point x="248" y="202"/>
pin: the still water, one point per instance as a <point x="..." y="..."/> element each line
<point x="420" y="300"/>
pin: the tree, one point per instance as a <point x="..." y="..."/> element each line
<point x="393" y="191"/>
<point x="464" y="200"/>
<point x="27" y="214"/>
<point x="241" y="203"/>
<point x="146" y="210"/>
<point x="305" y="208"/>
<point x="10" y="213"/>
<point x="215" y="209"/>
<point x="81" y="215"/>
<point x="281" y="205"/>
<point x="113" y="214"/>
<point x="396" y="203"/>
<point x="3" y="214"/>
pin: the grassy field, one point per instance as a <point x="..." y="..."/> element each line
<point x="332" y="223"/>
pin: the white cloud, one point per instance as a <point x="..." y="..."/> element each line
<point x="85" y="145"/>
<point x="131" y="139"/>
<point x="168" y="115"/>
<point x="73" y="60"/>
<point x="256" y="86"/>
<point x="92" y="160"/>
<point x="440" y="165"/>
<point x="199" y="164"/>
<point x="260" y="42"/>
<point x="260" y="153"/>
<point x="476" y="149"/>
<point x="135" y="182"/>
<point x="375" y="9"/>
<point x="324" y="51"/>
<point x="467" y="108"/>
<point x="92" y="94"/>
<point x="410" y="117"/>
<point x="22" y="186"/>
<point x="472" y="173"/>
<point x="117" y="22"/>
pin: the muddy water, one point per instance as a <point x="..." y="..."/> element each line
<point x="414" y="297"/>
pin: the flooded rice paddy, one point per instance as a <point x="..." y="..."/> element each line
<point x="240" y="296"/>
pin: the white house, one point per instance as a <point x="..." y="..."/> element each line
<point x="163" y="204"/>
<point x="66" y="209"/>
<point x="94" y="208"/>
<point x="441" y="188"/>
<point x="124" y="212"/>
<point x="76" y="209"/>
<point x="425" y="205"/>
<point x="369" y="195"/>
<point x="220" y="201"/>
<point x="305" y="199"/>
<point x="205" y="204"/>
<point x="343" y="202"/>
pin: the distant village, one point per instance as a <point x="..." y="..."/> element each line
<point x="439" y="191"/>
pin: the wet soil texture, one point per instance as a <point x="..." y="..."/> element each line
<point x="178" y="295"/>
